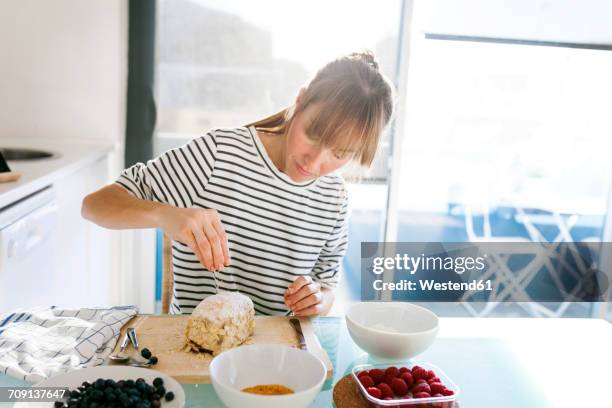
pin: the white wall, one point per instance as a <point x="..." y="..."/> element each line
<point x="63" y="69"/>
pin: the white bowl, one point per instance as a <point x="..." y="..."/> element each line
<point x="391" y="330"/>
<point x="258" y="364"/>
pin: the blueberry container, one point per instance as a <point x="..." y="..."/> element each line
<point x="431" y="402"/>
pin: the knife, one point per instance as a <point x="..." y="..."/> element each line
<point x="298" y="330"/>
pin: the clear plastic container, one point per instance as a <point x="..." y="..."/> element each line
<point x="432" y="402"/>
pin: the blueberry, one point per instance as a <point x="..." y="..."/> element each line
<point x="130" y="383"/>
<point x="99" y="384"/>
<point x="146" y="353"/>
<point x="169" y="396"/>
<point x="58" y="404"/>
<point x="158" y="381"/>
<point x="141" y="386"/>
<point x="161" y="391"/>
<point x="97" y="395"/>
<point x="153" y="360"/>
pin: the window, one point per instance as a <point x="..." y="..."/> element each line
<point x="507" y="134"/>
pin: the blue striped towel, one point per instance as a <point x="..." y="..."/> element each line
<point x="39" y="343"/>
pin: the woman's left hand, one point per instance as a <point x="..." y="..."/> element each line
<point x="304" y="297"/>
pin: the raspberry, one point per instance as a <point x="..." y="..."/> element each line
<point x="399" y="387"/>
<point x="375" y="392"/>
<point x="386" y="390"/>
<point x="448" y="392"/>
<point x="407" y="377"/>
<point x="394" y="371"/>
<point x="389" y="378"/>
<point x="377" y="375"/>
<point x="421" y="381"/>
<point x="367" y="381"/>
<point x="430" y="374"/>
<point x="421" y="395"/>
<point x="364" y="372"/>
<point x="419" y="373"/>
<point x="416" y="367"/>
<point x="437" y="388"/>
<point x="437" y="395"/>
<point x="424" y="387"/>
<point x="404" y="369"/>
<point x="434" y="379"/>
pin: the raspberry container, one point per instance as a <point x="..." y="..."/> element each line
<point x="431" y="402"/>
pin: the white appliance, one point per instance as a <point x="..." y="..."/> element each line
<point x="27" y="247"/>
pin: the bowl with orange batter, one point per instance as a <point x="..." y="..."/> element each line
<point x="267" y="376"/>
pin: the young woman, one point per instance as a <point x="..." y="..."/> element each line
<point x="259" y="208"/>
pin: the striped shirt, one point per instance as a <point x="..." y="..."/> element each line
<point x="277" y="229"/>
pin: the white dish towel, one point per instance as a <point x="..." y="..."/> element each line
<point x="39" y="343"/>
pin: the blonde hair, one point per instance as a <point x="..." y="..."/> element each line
<point x="355" y="104"/>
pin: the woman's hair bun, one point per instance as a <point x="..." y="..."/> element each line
<point x="366" y="56"/>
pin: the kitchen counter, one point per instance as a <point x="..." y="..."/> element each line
<point x="70" y="156"/>
<point x="496" y="362"/>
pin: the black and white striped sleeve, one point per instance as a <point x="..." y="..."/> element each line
<point x="176" y="177"/>
<point x="328" y="265"/>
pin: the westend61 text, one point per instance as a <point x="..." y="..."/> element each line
<point x="430" y="284"/>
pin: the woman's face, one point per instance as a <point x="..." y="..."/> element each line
<point x="305" y="159"/>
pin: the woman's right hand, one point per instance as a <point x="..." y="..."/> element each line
<point x="199" y="228"/>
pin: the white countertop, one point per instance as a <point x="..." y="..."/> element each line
<point x="70" y="156"/>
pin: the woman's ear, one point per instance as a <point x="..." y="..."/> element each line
<point x="300" y="96"/>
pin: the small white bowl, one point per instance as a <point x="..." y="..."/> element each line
<point x="259" y="364"/>
<point x="391" y="330"/>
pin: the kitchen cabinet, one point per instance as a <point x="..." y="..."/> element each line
<point x="82" y="261"/>
<point x="50" y="255"/>
<point x="27" y="230"/>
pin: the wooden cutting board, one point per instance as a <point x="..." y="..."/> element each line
<point x="164" y="336"/>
